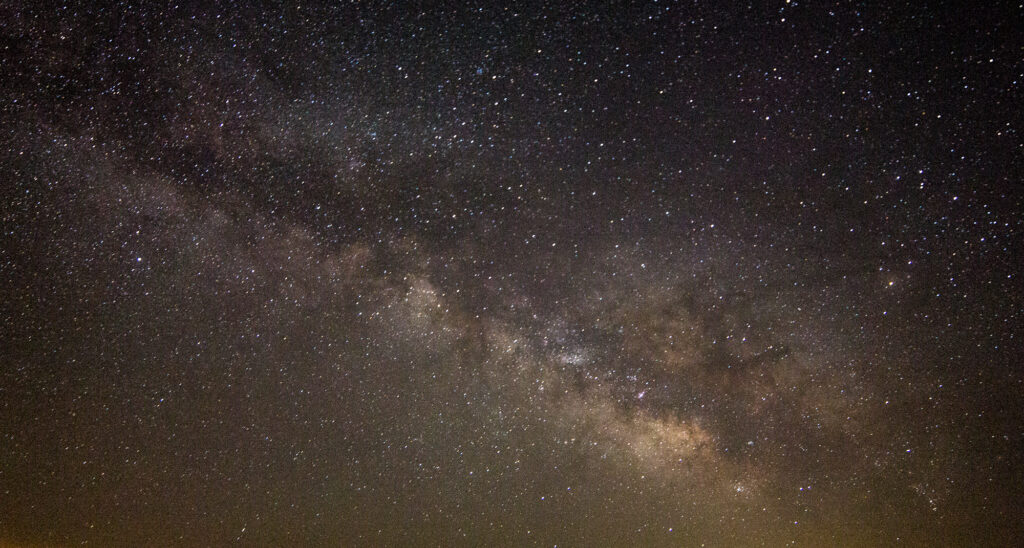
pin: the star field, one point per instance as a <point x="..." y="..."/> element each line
<point x="544" y="273"/>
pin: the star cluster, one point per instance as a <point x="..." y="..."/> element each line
<point x="649" y="273"/>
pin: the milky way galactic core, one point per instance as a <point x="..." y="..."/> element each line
<point x="575" y="274"/>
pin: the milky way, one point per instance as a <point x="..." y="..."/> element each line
<point x="539" y="274"/>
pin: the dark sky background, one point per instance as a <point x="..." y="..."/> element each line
<point x="638" y="273"/>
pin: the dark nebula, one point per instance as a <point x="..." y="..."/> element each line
<point x="574" y="274"/>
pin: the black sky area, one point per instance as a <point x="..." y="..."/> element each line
<point x="543" y="273"/>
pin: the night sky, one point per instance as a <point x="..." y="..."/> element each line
<point x="642" y="273"/>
